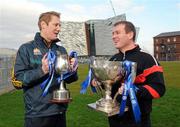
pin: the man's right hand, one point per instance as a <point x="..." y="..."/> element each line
<point x="94" y="82"/>
<point x="121" y="89"/>
<point x="45" y="66"/>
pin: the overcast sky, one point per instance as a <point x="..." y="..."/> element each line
<point x="18" y="18"/>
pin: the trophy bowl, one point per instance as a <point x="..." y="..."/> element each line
<point x="106" y="72"/>
<point x="62" y="66"/>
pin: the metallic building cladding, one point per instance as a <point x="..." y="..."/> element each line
<point x="103" y="35"/>
<point x="73" y="37"/>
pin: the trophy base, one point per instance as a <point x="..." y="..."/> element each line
<point x="113" y="111"/>
<point x="61" y="96"/>
<point x="61" y="101"/>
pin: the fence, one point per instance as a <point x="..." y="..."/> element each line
<point x="6" y="63"/>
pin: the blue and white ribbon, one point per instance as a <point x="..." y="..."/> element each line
<point x="129" y="89"/>
<point x="51" y="60"/>
<point x="86" y="83"/>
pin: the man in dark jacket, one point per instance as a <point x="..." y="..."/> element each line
<point x="31" y="69"/>
<point x="149" y="76"/>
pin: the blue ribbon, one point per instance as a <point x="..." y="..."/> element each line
<point x="65" y="76"/>
<point x="48" y="85"/>
<point x="129" y="89"/>
<point x="51" y="61"/>
<point x="93" y="89"/>
<point x="86" y="83"/>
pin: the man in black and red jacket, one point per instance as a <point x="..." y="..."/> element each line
<point x="149" y="76"/>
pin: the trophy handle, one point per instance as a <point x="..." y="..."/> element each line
<point x="99" y="88"/>
<point x="117" y="93"/>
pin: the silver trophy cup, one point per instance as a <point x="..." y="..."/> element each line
<point x="61" y="95"/>
<point x="106" y="72"/>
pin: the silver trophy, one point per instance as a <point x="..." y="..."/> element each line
<point x="62" y="66"/>
<point x="106" y="72"/>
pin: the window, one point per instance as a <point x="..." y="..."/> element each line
<point x="157" y="48"/>
<point x="162" y="41"/>
<point x="156" y="40"/>
<point x="168" y="40"/>
<point x="174" y="39"/>
<point x="157" y="56"/>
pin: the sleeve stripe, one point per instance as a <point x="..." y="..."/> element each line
<point x="152" y="91"/>
<point x="155" y="60"/>
<point x="142" y="77"/>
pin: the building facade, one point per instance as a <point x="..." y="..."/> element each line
<point x="90" y="38"/>
<point x="167" y="46"/>
<point x="99" y="36"/>
<point x="73" y="37"/>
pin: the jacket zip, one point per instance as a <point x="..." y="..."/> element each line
<point x="124" y="56"/>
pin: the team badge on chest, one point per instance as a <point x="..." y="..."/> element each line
<point x="36" y="51"/>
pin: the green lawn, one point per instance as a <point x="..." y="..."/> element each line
<point x="166" y="111"/>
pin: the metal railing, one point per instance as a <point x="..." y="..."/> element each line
<point x="6" y="64"/>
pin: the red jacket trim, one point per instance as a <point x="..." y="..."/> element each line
<point x="152" y="91"/>
<point x="142" y="77"/>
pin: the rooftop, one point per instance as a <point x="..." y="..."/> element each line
<point x="168" y="34"/>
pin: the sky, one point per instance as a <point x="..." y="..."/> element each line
<point x="18" y="18"/>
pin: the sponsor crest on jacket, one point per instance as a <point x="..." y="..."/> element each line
<point x="36" y="51"/>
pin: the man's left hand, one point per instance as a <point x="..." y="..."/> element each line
<point x="72" y="64"/>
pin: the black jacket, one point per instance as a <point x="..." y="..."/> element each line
<point x="149" y="78"/>
<point x="28" y="70"/>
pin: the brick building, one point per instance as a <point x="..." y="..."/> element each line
<point x="167" y="46"/>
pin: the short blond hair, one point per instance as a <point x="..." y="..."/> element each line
<point x="46" y="17"/>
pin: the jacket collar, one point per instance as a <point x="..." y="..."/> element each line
<point x="41" y="41"/>
<point x="135" y="49"/>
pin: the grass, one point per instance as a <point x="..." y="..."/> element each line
<point x="165" y="110"/>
